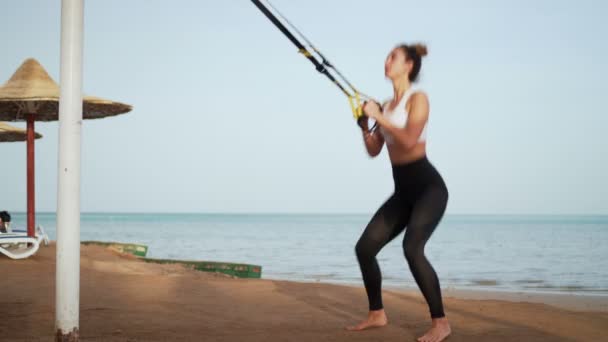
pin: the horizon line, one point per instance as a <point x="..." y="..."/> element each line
<point x="305" y="213"/>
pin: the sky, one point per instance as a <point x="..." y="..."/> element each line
<point x="228" y="117"/>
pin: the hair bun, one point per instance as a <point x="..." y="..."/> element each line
<point x="421" y="49"/>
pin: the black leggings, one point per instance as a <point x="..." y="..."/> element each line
<point x="418" y="203"/>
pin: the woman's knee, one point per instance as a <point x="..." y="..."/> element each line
<point x="365" y="249"/>
<point x="413" y="248"/>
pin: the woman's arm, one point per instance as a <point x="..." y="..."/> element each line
<point x="373" y="142"/>
<point x="417" y="118"/>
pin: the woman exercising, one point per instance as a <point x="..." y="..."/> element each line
<point x="420" y="196"/>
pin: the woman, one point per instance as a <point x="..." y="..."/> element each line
<point x="420" y="195"/>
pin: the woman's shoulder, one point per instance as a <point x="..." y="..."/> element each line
<point x="418" y="94"/>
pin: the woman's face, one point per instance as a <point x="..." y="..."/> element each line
<point x="396" y="65"/>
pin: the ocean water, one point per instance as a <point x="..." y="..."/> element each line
<point x="505" y="253"/>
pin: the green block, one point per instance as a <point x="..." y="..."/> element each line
<point x="127" y="248"/>
<point x="236" y="270"/>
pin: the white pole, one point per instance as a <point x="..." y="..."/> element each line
<point x="68" y="192"/>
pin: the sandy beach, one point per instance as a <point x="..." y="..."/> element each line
<point x="123" y="299"/>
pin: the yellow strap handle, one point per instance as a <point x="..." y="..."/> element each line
<point x="355" y="106"/>
<point x="304" y="52"/>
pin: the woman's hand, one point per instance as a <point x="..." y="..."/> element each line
<point x="372" y="109"/>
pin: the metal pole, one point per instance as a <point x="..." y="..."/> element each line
<point x="68" y="192"/>
<point x="31" y="192"/>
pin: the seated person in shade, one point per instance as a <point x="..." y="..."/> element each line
<point x="5" y="221"/>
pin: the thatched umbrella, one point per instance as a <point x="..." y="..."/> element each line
<point x="9" y="133"/>
<point x="31" y="95"/>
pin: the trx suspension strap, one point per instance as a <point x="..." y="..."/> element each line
<point x="354" y="96"/>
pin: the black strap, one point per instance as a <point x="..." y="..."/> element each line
<point x="319" y="66"/>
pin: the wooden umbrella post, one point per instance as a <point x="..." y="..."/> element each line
<point x="31" y="192"/>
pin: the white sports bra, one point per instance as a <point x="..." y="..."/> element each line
<point x="398" y="117"/>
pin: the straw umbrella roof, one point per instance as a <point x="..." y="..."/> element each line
<point x="9" y="133"/>
<point x="32" y="91"/>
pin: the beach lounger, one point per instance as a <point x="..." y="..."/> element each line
<point x="17" y="245"/>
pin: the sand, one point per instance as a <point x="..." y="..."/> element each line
<point x="123" y="299"/>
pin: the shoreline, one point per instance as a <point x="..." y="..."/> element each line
<point x="563" y="300"/>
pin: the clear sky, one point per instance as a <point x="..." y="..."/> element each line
<point x="229" y="118"/>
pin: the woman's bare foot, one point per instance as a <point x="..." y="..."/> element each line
<point x="375" y="319"/>
<point x="438" y="332"/>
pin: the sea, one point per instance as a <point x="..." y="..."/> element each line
<point x="515" y="253"/>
